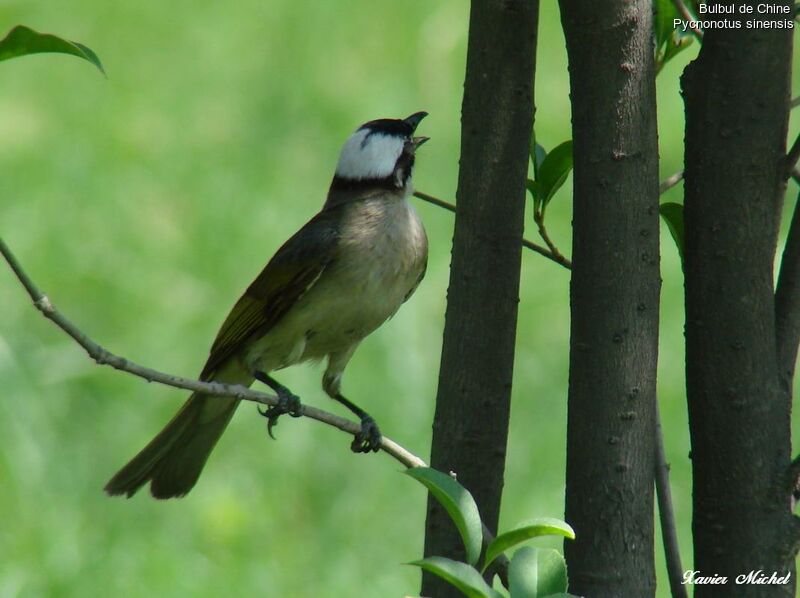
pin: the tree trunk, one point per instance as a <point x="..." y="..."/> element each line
<point x="470" y="428"/>
<point x="737" y="100"/>
<point x="614" y="298"/>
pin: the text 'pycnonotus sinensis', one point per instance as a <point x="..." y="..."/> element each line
<point x="342" y="275"/>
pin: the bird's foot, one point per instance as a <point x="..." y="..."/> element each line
<point x="287" y="403"/>
<point x="369" y="438"/>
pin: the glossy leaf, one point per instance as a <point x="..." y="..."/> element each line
<point x="538" y="154"/>
<point x="23" y="40"/>
<point x="542" y="526"/>
<point x="665" y="12"/>
<point x="536" y="573"/>
<point x="679" y="41"/>
<point x="669" y="41"/>
<point x="554" y="170"/>
<point x="460" y="575"/>
<point x="534" y="189"/>
<point x="458" y="503"/>
<point x="672" y="213"/>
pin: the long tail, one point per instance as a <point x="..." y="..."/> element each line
<point x="173" y="460"/>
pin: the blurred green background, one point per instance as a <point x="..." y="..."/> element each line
<point x="144" y="203"/>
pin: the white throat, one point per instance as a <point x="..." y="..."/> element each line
<point x="367" y="155"/>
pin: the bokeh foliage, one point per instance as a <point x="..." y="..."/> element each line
<point x="144" y="204"/>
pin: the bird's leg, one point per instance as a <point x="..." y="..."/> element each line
<point x="288" y="402"/>
<point x="369" y="438"/>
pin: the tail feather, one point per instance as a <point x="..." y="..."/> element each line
<point x="173" y="460"/>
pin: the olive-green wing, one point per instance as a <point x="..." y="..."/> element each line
<point x="291" y="272"/>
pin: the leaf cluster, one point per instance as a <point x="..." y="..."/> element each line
<point x="532" y="573"/>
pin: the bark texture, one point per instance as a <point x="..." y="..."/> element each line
<point x="737" y="97"/>
<point x="614" y="298"/>
<point x="470" y="428"/>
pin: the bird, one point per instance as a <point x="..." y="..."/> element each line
<point x="335" y="281"/>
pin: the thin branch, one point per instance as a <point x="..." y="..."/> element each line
<point x="546" y="253"/>
<point x="438" y="202"/>
<point x="684" y="11"/>
<point x="669" y="182"/>
<point x="666" y="512"/>
<point x="667" y="516"/>
<point x="561" y="260"/>
<point x="551" y="252"/>
<point x="104" y="357"/>
<point x="794" y="103"/>
<point x="538" y="218"/>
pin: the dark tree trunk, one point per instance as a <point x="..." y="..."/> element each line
<point x="472" y="406"/>
<point x="614" y="298"/>
<point x="737" y="99"/>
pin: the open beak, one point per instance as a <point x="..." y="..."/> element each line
<point x="414" y="119"/>
<point x="417" y="141"/>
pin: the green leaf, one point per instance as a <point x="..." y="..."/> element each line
<point x="537" y="572"/>
<point x="458" y="503"/>
<point x="554" y="170"/>
<point x="662" y="24"/>
<point x="23" y="40"/>
<point x="672" y="213"/>
<point x="669" y="41"/>
<point x="460" y="575"/>
<point x="541" y="526"/>
<point x="534" y="189"/>
<point x="538" y="154"/>
<point x="678" y="42"/>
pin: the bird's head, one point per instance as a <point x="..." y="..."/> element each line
<point x="380" y="154"/>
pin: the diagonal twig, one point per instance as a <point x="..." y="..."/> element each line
<point x="551" y="252"/>
<point x="103" y="356"/>
<point x="538" y="218"/>
<point x="669" y="182"/>
<point x="684" y="11"/>
<point x="559" y="259"/>
<point x="666" y="515"/>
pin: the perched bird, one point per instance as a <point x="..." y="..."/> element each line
<point x="343" y="274"/>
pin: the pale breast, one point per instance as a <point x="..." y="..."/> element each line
<point x="380" y="260"/>
<point x="385" y="249"/>
<point x="381" y="255"/>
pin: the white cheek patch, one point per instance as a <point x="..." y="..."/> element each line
<point x="369" y="156"/>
